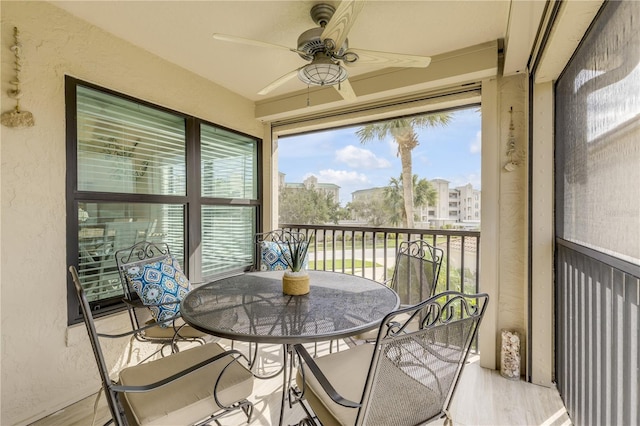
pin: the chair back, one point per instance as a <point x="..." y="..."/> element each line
<point x="269" y="245"/>
<point x="115" y="408"/>
<point x="415" y="276"/>
<point x="139" y="254"/>
<point x="419" y="356"/>
<point x="116" y="236"/>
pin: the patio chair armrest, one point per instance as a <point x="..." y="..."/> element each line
<point x="143" y="328"/>
<point x="233" y="353"/>
<point x="137" y="303"/>
<point x="140" y="304"/>
<point x="322" y="379"/>
<point x="125" y="334"/>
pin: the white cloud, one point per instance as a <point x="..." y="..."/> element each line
<point x="461" y="180"/>
<point x="340" y="177"/>
<point x="476" y="145"/>
<point x="393" y="146"/>
<point x="348" y="181"/>
<point x="360" y="158"/>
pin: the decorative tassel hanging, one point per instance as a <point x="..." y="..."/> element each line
<point x="512" y="153"/>
<point x="16" y="117"/>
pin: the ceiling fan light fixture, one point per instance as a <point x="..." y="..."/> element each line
<point x="322" y="71"/>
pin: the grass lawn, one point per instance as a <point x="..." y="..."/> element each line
<point x="338" y="264"/>
<point x="391" y="243"/>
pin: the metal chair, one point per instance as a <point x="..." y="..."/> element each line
<point x="269" y="253"/>
<point x="415" y="276"/>
<point x="407" y="377"/>
<point x="147" y="328"/>
<point x="117" y="235"/>
<point x="195" y="386"/>
<point x="416" y="272"/>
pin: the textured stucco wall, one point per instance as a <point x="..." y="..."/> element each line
<point x="512" y="268"/>
<point x="45" y="364"/>
<point x="503" y="246"/>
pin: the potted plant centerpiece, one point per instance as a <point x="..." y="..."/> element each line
<point x="294" y="248"/>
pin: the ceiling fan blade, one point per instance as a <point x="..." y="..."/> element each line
<point x="346" y="91"/>
<point x="387" y="59"/>
<point x="279" y="82"/>
<point x="340" y="23"/>
<point x="242" y="40"/>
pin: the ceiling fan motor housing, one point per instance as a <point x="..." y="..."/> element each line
<point x="310" y="41"/>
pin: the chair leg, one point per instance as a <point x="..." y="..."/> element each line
<point x="448" y="419"/>
<point x="311" y="419"/>
<point x="95" y="407"/>
<point x="254" y="364"/>
<point x="247" y="407"/>
<point x="165" y="345"/>
<point x="331" y="346"/>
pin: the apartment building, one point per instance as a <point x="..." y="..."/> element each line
<point x="459" y="206"/>
<point x="309" y="183"/>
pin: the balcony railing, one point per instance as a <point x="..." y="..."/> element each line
<point x="370" y="252"/>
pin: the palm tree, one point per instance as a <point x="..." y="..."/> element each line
<point x="403" y="131"/>
<point x="394" y="202"/>
<point x="424" y="194"/>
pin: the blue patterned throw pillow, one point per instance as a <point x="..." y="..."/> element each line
<point x="160" y="282"/>
<point x="272" y="257"/>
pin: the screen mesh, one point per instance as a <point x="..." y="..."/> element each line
<point x="598" y="137"/>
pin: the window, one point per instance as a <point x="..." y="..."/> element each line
<point x="139" y="172"/>
<point x="356" y="159"/>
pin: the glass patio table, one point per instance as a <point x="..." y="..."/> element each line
<point x="252" y="308"/>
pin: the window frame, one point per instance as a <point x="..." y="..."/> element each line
<point x="192" y="201"/>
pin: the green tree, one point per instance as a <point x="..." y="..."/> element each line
<point x="403" y="132"/>
<point x="375" y="211"/>
<point x="303" y="206"/>
<point x="423" y="194"/>
<point x="394" y="200"/>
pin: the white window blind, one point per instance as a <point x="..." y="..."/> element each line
<point x="227" y="238"/>
<point x="228" y="164"/>
<point x="127" y="147"/>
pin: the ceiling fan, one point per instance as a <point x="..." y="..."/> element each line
<point x="327" y="49"/>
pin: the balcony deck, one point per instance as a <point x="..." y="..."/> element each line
<point x="483" y="397"/>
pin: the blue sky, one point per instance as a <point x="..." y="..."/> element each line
<point x="337" y="156"/>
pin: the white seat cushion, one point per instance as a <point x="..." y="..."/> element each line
<point x="347" y="373"/>
<point x="190" y="398"/>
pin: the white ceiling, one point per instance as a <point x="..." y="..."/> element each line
<point x="181" y="32"/>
